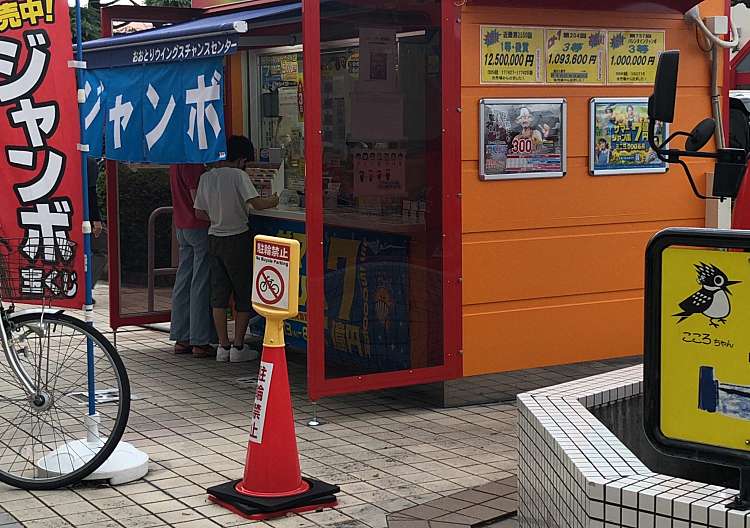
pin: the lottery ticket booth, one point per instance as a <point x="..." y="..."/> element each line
<point x="469" y="181"/>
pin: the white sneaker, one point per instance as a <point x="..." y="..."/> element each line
<point x="222" y="354"/>
<point x="244" y="354"/>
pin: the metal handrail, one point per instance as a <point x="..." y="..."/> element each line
<point x="151" y="271"/>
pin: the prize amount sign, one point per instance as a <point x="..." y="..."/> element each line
<point x="632" y="56"/>
<point x="512" y="55"/>
<point x="271" y="274"/>
<point x="575" y="56"/>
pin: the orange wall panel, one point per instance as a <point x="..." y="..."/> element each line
<point x="553" y="268"/>
<point x="539" y="266"/>
<point x="557" y="334"/>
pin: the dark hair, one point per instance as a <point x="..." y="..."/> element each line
<point x="240" y="147"/>
<point x="630" y="107"/>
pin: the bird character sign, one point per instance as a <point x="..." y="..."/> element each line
<point x="712" y="299"/>
<point x="705" y="346"/>
<point x="41" y="250"/>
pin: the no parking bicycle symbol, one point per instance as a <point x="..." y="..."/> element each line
<point x="270" y="285"/>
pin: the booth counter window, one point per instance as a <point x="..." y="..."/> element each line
<point x="522" y="138"/>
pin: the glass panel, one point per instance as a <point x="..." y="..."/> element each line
<point x="744" y="65"/>
<point x="381" y="104"/>
<point x="145" y="220"/>
<point x="277" y="117"/>
<point x="281" y="115"/>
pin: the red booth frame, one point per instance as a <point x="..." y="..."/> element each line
<point x="318" y="386"/>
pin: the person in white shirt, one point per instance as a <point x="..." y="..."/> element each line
<point x="223" y="196"/>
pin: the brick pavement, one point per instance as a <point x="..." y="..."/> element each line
<point x="387" y="450"/>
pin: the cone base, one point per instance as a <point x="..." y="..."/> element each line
<point x="252" y="515"/>
<point x="320" y="495"/>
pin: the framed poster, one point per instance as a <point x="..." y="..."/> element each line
<point x="619" y="137"/>
<point x="522" y="138"/>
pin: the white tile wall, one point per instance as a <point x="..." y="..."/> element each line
<point x="575" y="473"/>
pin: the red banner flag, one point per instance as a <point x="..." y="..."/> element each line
<point x="41" y="210"/>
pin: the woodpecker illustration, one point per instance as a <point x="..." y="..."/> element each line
<point x="712" y="300"/>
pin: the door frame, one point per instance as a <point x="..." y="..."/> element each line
<point x="107" y="17"/>
<point x="318" y="385"/>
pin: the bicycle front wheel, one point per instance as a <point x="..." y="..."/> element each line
<point x="48" y="440"/>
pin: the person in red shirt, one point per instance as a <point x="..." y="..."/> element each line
<point x="192" y="326"/>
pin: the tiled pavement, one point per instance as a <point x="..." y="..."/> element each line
<point x="495" y="502"/>
<point x="387" y="451"/>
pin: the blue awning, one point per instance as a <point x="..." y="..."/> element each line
<point x="197" y="39"/>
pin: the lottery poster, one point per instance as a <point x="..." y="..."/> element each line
<point x="619" y="137"/>
<point x="522" y="138"/>
<point x="576" y="56"/>
<point x="512" y="55"/>
<point x="633" y="56"/>
<point x="379" y="172"/>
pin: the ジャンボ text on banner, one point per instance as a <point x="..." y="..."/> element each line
<point x="41" y="217"/>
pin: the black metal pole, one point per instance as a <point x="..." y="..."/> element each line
<point x="742" y="501"/>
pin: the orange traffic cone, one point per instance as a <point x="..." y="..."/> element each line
<point x="273" y="485"/>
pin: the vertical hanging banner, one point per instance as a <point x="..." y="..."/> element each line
<point x="633" y="56"/>
<point x="511" y="55"/>
<point x="575" y="56"/>
<point x="41" y="241"/>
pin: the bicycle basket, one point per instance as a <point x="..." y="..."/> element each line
<point x="37" y="268"/>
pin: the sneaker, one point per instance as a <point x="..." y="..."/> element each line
<point x="222" y="354"/>
<point x="241" y="355"/>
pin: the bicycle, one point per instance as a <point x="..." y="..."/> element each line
<point x="64" y="391"/>
<point x="269" y="283"/>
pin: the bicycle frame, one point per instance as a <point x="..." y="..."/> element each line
<point x="9" y="351"/>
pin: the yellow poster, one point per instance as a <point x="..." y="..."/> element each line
<point x="289" y="67"/>
<point x="705" y="342"/>
<point x="512" y="55"/>
<point x="632" y="56"/>
<point x="575" y="56"/>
